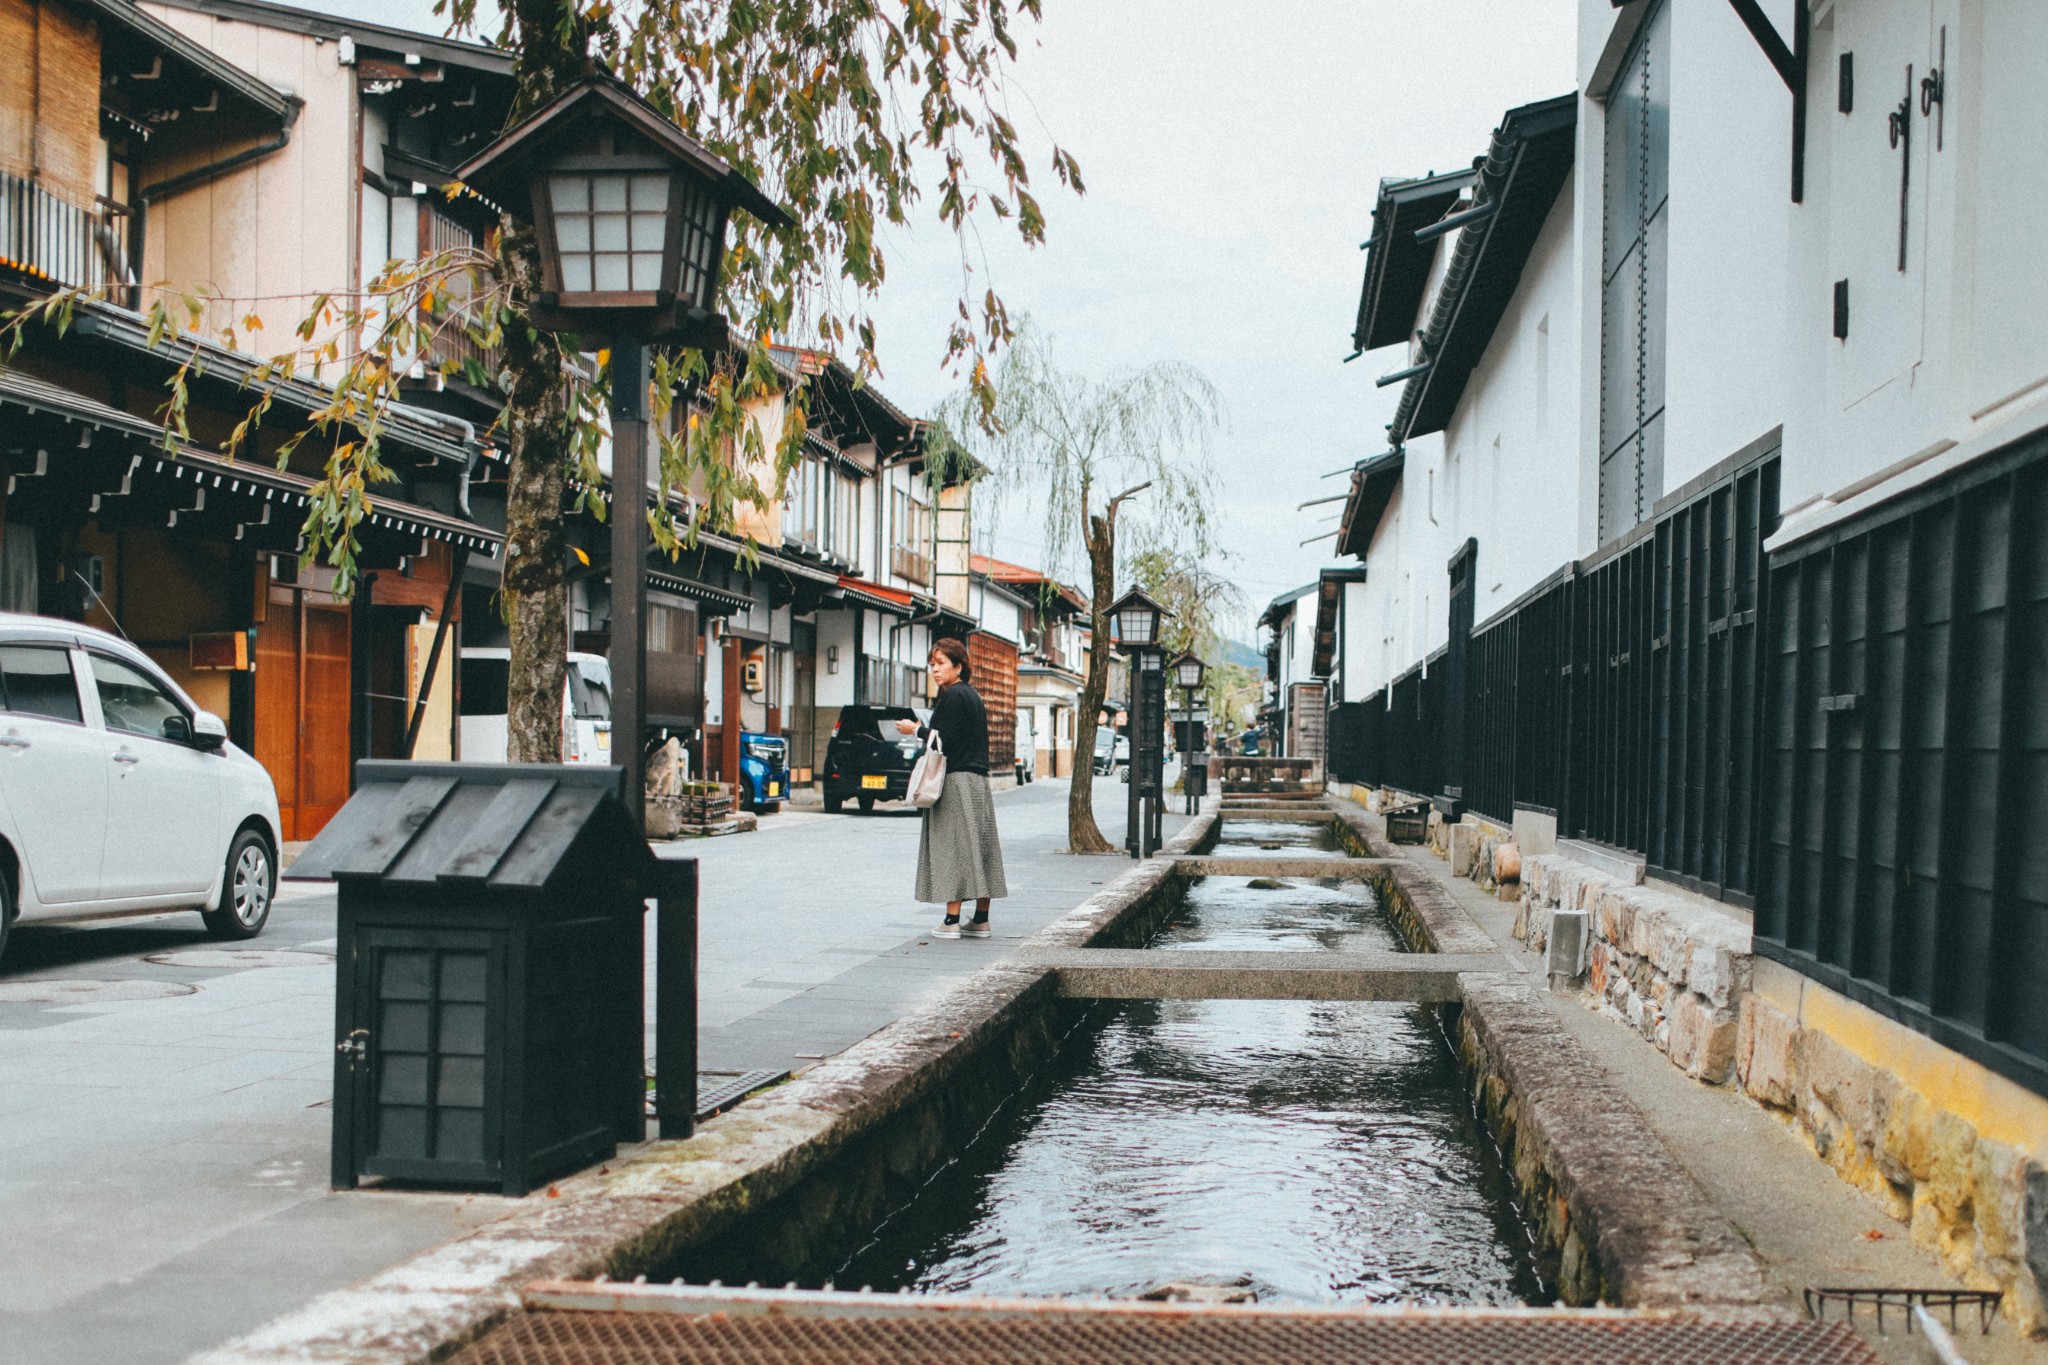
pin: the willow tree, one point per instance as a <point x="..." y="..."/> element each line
<point x="847" y="112"/>
<point x="1099" y="455"/>
<point x="1198" y="597"/>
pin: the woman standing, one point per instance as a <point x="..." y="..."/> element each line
<point x="959" y="857"/>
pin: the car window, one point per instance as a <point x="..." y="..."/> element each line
<point x="484" y="684"/>
<point x="590" y="691"/>
<point x="132" y="702"/>
<point x="38" y="682"/>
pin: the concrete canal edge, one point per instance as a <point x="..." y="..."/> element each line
<point x="643" y="1209"/>
<point x="1614" y="1214"/>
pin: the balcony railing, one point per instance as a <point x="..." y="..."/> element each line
<point x="51" y="239"/>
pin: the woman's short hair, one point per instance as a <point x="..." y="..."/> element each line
<point x="956" y="651"/>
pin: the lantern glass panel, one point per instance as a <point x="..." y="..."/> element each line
<point x="1190" y="671"/>
<point x="701" y="246"/>
<point x="1134" y="624"/>
<point x="610" y="228"/>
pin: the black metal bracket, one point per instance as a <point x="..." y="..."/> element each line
<point x="1899" y="125"/>
<point x="1933" y="91"/>
<point x="1789" y="61"/>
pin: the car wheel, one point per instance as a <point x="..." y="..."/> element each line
<point x="246" y="890"/>
<point x="867" y="805"/>
<point x="833" y="803"/>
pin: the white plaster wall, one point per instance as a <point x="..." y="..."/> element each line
<point x="1729" y="294"/>
<point x="1509" y="477"/>
<point x="835" y="630"/>
<point x="278" y="233"/>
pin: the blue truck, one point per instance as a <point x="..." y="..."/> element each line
<point x="764" y="772"/>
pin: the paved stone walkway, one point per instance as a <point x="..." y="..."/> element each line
<point x="164" y="1133"/>
<point x="1808" y="1227"/>
<point x="810" y="938"/>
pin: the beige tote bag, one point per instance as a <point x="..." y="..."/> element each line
<point x="928" y="777"/>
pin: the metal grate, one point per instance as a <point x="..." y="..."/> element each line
<point x="705" y="1327"/>
<point x="718" y="1091"/>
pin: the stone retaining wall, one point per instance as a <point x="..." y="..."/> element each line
<point x="1670" y="965"/>
<point x="1616" y="1219"/>
<point x="1681" y="973"/>
<point x="1978" y="1203"/>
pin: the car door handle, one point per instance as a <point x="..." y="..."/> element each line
<point x="123" y="756"/>
<point x="13" y="742"/>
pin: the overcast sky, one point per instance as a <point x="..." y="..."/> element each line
<point x="1231" y="154"/>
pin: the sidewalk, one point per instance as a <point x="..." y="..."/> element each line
<point x="1807" y="1226"/>
<point x="786" y="979"/>
<point x="164" y="1123"/>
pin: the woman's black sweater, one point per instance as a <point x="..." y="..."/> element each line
<point x="962" y="723"/>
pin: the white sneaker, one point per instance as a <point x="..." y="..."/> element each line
<point x="946" y="930"/>
<point x="970" y="929"/>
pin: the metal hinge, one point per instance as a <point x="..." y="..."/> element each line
<point x="356" y="1046"/>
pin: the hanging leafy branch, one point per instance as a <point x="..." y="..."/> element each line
<point x="1098" y="456"/>
<point x="848" y="112"/>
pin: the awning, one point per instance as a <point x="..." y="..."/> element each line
<point x="1329" y="597"/>
<point x="895" y="601"/>
<point x="1519" y="181"/>
<point x="717" y="601"/>
<point x="126" y="457"/>
<point x="1397" y="266"/>
<point x="1373" y="483"/>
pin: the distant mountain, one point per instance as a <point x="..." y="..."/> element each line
<point x="1235" y="652"/>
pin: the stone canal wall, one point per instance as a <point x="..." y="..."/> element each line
<point x="1616" y="1219"/>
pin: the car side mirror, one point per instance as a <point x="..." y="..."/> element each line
<point x="208" y="730"/>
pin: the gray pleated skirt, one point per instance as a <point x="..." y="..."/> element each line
<point x="959" y="856"/>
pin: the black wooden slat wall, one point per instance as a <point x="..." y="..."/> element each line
<point x="1619" y="695"/>
<point x="1905" y="763"/>
<point x="1853" y="737"/>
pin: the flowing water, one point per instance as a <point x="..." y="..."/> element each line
<point x="1311" y="1151"/>
<point x="1277" y="839"/>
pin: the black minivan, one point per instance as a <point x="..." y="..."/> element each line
<point x="866" y="759"/>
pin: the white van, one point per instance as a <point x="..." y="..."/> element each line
<point x="586" y="707"/>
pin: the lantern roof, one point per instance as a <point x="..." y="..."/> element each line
<point x="1137" y="598"/>
<point x="507" y="166"/>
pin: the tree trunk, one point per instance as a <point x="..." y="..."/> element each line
<point x="1083" y="835"/>
<point x="536" y="429"/>
<point x="536" y="600"/>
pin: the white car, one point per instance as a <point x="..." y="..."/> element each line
<point x="118" y="794"/>
<point x="586" y="707"/>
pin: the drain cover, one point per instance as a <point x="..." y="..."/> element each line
<point x="77" y="992"/>
<point x="241" y="960"/>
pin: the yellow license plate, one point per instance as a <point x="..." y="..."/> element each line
<point x="604" y="739"/>
<point x="775" y="789"/>
<point x="875" y="783"/>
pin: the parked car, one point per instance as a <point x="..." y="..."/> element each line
<point x="764" y="771"/>
<point x="586" y="707"/>
<point x="866" y="759"/>
<point x="118" y="793"/>
<point x="1112" y="751"/>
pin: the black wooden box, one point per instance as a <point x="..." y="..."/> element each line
<point x="489" y="972"/>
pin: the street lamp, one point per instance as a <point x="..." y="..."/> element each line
<point x="1137" y="619"/>
<point x="630" y="214"/>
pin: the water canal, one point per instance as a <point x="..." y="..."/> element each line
<point x="1309" y="1150"/>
